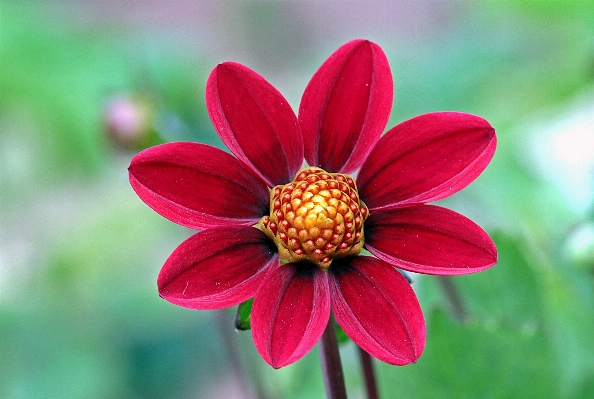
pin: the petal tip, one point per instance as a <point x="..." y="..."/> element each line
<point x="240" y="102"/>
<point x="345" y="106"/>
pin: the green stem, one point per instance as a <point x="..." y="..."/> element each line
<point x="368" y="373"/>
<point x="331" y="366"/>
<point x="453" y="296"/>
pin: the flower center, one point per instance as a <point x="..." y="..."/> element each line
<point x="317" y="217"/>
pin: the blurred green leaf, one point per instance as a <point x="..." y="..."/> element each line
<point x="509" y="292"/>
<point x="526" y="304"/>
<point x="476" y="361"/>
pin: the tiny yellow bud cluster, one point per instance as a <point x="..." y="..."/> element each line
<point x="317" y="217"/>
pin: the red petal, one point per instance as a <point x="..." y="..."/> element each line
<point x="290" y="313"/>
<point x="217" y="268"/>
<point x="255" y="121"/>
<point x="198" y="186"/>
<point x="346" y="106"/>
<point x="426" y="158"/>
<point x="377" y="308"/>
<point x="429" y="239"/>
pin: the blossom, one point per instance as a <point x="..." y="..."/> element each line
<point x="290" y="237"/>
<point x="127" y="121"/>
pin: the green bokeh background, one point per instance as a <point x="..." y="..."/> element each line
<point x="80" y="316"/>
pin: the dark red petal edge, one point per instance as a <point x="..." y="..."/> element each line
<point x="429" y="239"/>
<point x="255" y="121"/>
<point x="290" y="312"/>
<point x="346" y="106"/>
<point x="217" y="268"/>
<point x="377" y="309"/>
<point x="425" y="159"/>
<point x="198" y="186"/>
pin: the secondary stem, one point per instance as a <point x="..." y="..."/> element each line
<point x="232" y="349"/>
<point x="453" y="296"/>
<point x="368" y="373"/>
<point x="331" y="366"/>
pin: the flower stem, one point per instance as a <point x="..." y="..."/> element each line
<point x="453" y="296"/>
<point x="232" y="349"/>
<point x="330" y="360"/>
<point x="368" y="373"/>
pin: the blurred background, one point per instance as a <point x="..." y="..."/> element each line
<point x="84" y="85"/>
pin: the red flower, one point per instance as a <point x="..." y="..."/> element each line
<point x="289" y="238"/>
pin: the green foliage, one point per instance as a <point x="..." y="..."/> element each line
<point x="243" y="315"/>
<point x="475" y="360"/>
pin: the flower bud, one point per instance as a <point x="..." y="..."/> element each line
<point x="128" y="122"/>
<point x="316" y="217"/>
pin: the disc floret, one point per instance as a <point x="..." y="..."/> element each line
<point x="317" y="217"/>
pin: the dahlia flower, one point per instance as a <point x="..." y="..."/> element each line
<point x="291" y="236"/>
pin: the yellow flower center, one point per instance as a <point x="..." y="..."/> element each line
<point x="317" y="217"/>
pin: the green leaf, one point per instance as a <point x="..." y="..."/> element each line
<point x="477" y="360"/>
<point x="243" y="316"/>
<point x="510" y="291"/>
